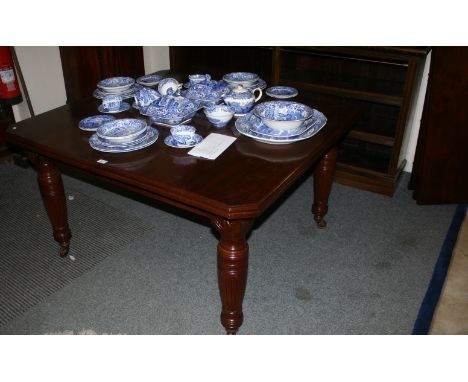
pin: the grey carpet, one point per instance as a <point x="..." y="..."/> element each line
<point x="30" y="267"/>
<point x="366" y="273"/>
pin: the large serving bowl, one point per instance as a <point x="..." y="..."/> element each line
<point x="121" y="130"/>
<point x="283" y="115"/>
<point x="240" y="78"/>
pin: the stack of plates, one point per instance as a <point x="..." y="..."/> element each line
<point x="122" y="86"/>
<point x="123" y="135"/>
<point x="253" y="127"/>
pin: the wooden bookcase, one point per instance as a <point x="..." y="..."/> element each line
<point x="381" y="79"/>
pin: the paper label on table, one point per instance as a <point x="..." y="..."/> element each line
<point x="212" y="146"/>
<point x="102" y="161"/>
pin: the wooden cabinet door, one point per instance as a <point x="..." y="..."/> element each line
<point x="84" y="66"/>
<point x="440" y="173"/>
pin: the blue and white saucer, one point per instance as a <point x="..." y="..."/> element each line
<point x="97" y="144"/>
<point x="170" y="141"/>
<point x="124" y="106"/>
<point x="93" y="122"/>
<point x="281" y="92"/>
<point x="249" y="124"/>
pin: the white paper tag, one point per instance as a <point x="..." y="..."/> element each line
<point x="212" y="146"/>
<point x="102" y="161"/>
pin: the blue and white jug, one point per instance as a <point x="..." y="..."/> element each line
<point x="242" y="100"/>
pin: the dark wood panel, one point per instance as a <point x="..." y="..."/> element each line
<point x="440" y="173"/>
<point x="6" y="119"/>
<point x="84" y="66"/>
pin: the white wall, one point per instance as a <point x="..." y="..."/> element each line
<point x="414" y="118"/>
<point x="42" y="72"/>
<point x="155" y="58"/>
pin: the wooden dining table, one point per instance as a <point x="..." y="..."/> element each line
<point x="231" y="191"/>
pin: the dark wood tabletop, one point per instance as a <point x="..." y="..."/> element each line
<point x="231" y="190"/>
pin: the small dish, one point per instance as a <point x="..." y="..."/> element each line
<point x="170" y="141"/>
<point x="124" y="106"/>
<point x="149" y="80"/>
<point x="241" y="78"/>
<point x="281" y="92"/>
<point x="93" y="122"/>
<point x="116" y="84"/>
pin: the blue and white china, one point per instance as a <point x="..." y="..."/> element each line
<point x="199" y="78"/>
<point x="93" y="122"/>
<point x="183" y="134"/>
<point x="219" y="115"/>
<point x="162" y="122"/>
<point x="242" y="100"/>
<point x="121" y="130"/>
<point x="170" y="141"/>
<point x="283" y="115"/>
<point x="98" y="144"/>
<point x="145" y="97"/>
<point x="116" y="84"/>
<point x="129" y="93"/>
<point x="168" y="86"/>
<point x="250" y="123"/>
<point x="281" y="92"/>
<point x="204" y="95"/>
<point x="149" y="80"/>
<point x="112" y="102"/>
<point x="134" y="140"/>
<point x="124" y="106"/>
<point x="240" y="78"/>
<point x="171" y="110"/>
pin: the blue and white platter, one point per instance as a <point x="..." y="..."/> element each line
<point x="163" y="123"/>
<point x="93" y="122"/>
<point x="281" y="92"/>
<point x="149" y="80"/>
<point x="124" y="106"/>
<point x="122" y="129"/>
<point x="97" y="144"/>
<point x="115" y="84"/>
<point x="170" y="141"/>
<point x="251" y="126"/>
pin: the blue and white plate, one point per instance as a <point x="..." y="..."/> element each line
<point x="170" y="141"/>
<point x="116" y="84"/>
<point x="121" y="129"/>
<point x="282" y="92"/>
<point x="98" y="144"/>
<point x="149" y="80"/>
<point x="124" y="106"/>
<point x="129" y="93"/>
<point x="93" y="122"/>
<point x="247" y="125"/>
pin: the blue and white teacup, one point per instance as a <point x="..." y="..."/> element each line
<point x="183" y="134"/>
<point x="199" y="78"/>
<point x="112" y="102"/>
<point x="219" y="115"/>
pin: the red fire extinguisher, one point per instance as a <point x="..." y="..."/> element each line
<point x="10" y="93"/>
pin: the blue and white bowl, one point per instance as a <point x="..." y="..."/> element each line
<point x="112" y="102"/>
<point x="121" y="130"/>
<point x="240" y="78"/>
<point x="219" y="115"/>
<point x="116" y="84"/>
<point x="171" y="110"/>
<point x="281" y="92"/>
<point x="149" y="80"/>
<point x="283" y="115"/>
<point x="168" y="86"/>
<point x="183" y="134"/>
<point x="93" y="122"/>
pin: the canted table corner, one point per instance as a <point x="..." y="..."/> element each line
<point x="231" y="191"/>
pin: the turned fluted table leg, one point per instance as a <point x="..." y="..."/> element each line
<point x="53" y="196"/>
<point x="233" y="253"/>
<point x="323" y="180"/>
